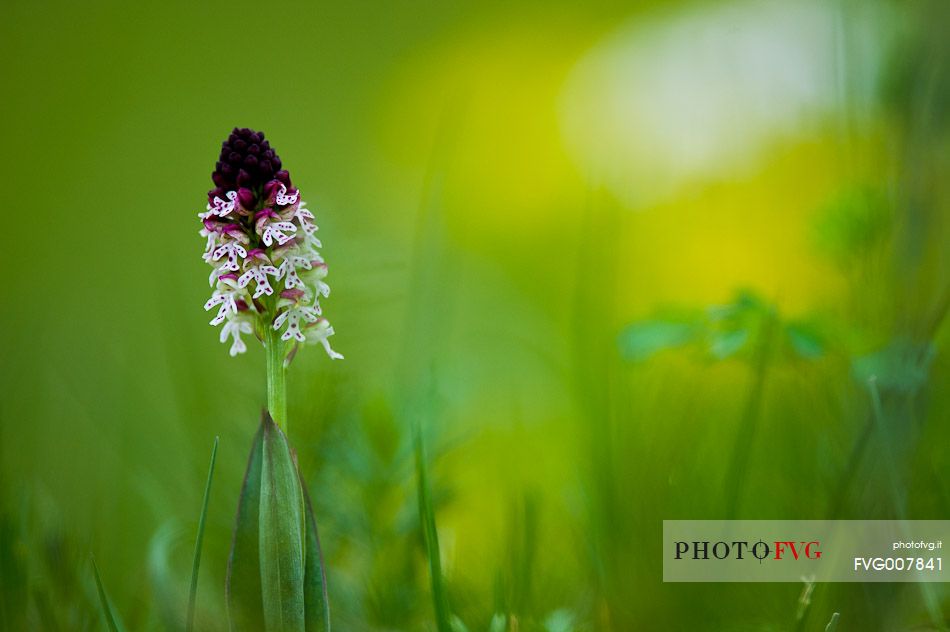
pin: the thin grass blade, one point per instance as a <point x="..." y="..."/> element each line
<point x="196" y="561"/>
<point x="431" y="535"/>
<point x="833" y="624"/>
<point x="114" y="624"/>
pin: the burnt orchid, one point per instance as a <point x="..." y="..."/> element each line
<point x="267" y="278"/>
<point x="267" y="272"/>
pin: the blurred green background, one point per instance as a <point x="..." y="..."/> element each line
<point x="624" y="263"/>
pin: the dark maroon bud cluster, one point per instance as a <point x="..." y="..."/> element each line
<point x="247" y="163"/>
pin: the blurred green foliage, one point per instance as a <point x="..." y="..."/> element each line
<point x="582" y="361"/>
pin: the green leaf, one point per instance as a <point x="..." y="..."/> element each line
<point x="559" y="621"/>
<point x="727" y="344"/>
<point x="243" y="586"/>
<point x="113" y="623"/>
<point x="805" y="342"/>
<point x="640" y="341"/>
<point x="196" y="560"/>
<point x="903" y="366"/>
<point x="316" y="601"/>
<point x="282" y="528"/>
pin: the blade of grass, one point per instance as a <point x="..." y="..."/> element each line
<point x="833" y="624"/>
<point x="898" y="495"/>
<point x="111" y="621"/>
<point x="430" y="534"/>
<point x="193" y="592"/>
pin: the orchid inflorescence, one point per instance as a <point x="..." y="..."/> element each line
<point x="262" y="246"/>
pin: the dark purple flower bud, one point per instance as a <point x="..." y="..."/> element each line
<point x="283" y="176"/>
<point x="246" y="197"/>
<point x="270" y="191"/>
<point x="248" y="150"/>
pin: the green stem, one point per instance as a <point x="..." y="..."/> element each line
<point x="276" y="378"/>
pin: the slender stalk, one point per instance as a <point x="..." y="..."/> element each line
<point x="276" y="378"/>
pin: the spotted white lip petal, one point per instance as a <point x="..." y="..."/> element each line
<point x="283" y="199"/>
<point x="233" y="328"/>
<point x="227" y="306"/>
<point x="320" y="334"/>
<point x="292" y="317"/>
<point x="220" y="207"/>
<point x="288" y="272"/>
<point x="233" y="251"/>
<point x="305" y="218"/>
<point x="330" y="352"/>
<point x="259" y="275"/>
<point x="276" y="232"/>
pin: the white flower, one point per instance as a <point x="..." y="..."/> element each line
<point x="292" y="317"/>
<point x="234" y="327"/>
<point x="288" y="268"/>
<point x="219" y="207"/>
<point x="316" y="276"/>
<point x="211" y="242"/>
<point x="283" y="199"/>
<point x="272" y="231"/>
<point x="319" y="333"/>
<point x="310" y="241"/>
<point x="225" y="296"/>
<point x="233" y="250"/>
<point x="305" y="218"/>
<point x="259" y="274"/>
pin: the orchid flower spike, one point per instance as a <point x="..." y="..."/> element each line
<point x="267" y="272"/>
